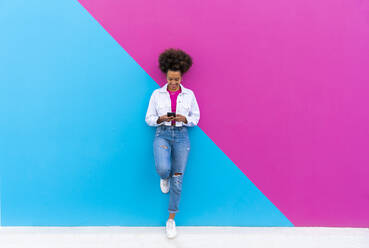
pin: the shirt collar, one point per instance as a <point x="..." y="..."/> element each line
<point x="164" y="88"/>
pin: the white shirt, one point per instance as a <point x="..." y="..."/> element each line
<point x="160" y="104"/>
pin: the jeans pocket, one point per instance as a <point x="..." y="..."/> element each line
<point x="184" y="131"/>
<point x="157" y="133"/>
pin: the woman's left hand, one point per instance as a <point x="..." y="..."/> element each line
<point x="180" y="117"/>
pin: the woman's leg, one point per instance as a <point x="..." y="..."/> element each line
<point x="180" y="151"/>
<point x="162" y="151"/>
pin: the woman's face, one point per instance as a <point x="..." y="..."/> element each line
<point x="174" y="78"/>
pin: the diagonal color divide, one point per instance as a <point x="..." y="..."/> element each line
<point x="282" y="86"/>
<point x="74" y="146"/>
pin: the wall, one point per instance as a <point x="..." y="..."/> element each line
<point x="282" y="87"/>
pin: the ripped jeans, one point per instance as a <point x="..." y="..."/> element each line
<point x="171" y="149"/>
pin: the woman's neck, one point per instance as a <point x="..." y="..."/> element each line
<point x="175" y="89"/>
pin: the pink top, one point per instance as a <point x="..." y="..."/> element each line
<point x="173" y="99"/>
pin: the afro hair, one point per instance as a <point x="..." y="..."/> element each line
<point x="174" y="60"/>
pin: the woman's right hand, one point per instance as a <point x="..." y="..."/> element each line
<point x="164" y="118"/>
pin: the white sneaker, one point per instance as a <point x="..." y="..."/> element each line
<point x="171" y="228"/>
<point x="164" y="185"/>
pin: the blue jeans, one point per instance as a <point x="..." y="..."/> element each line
<point x="171" y="149"/>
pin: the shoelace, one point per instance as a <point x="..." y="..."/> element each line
<point x="165" y="182"/>
<point x="170" y="224"/>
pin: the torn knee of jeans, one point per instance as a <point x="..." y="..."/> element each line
<point x="164" y="146"/>
<point x="177" y="174"/>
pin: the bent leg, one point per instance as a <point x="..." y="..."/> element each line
<point x="162" y="153"/>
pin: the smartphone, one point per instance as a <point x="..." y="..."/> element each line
<point x="169" y="114"/>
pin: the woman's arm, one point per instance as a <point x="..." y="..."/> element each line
<point x="151" y="114"/>
<point x="194" y="115"/>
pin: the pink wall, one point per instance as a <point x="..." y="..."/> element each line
<point x="284" y="90"/>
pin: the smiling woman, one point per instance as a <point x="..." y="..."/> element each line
<point x="172" y="109"/>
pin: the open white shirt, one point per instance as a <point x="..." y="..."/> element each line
<point x="160" y="104"/>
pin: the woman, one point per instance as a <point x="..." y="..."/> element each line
<point x="171" y="143"/>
